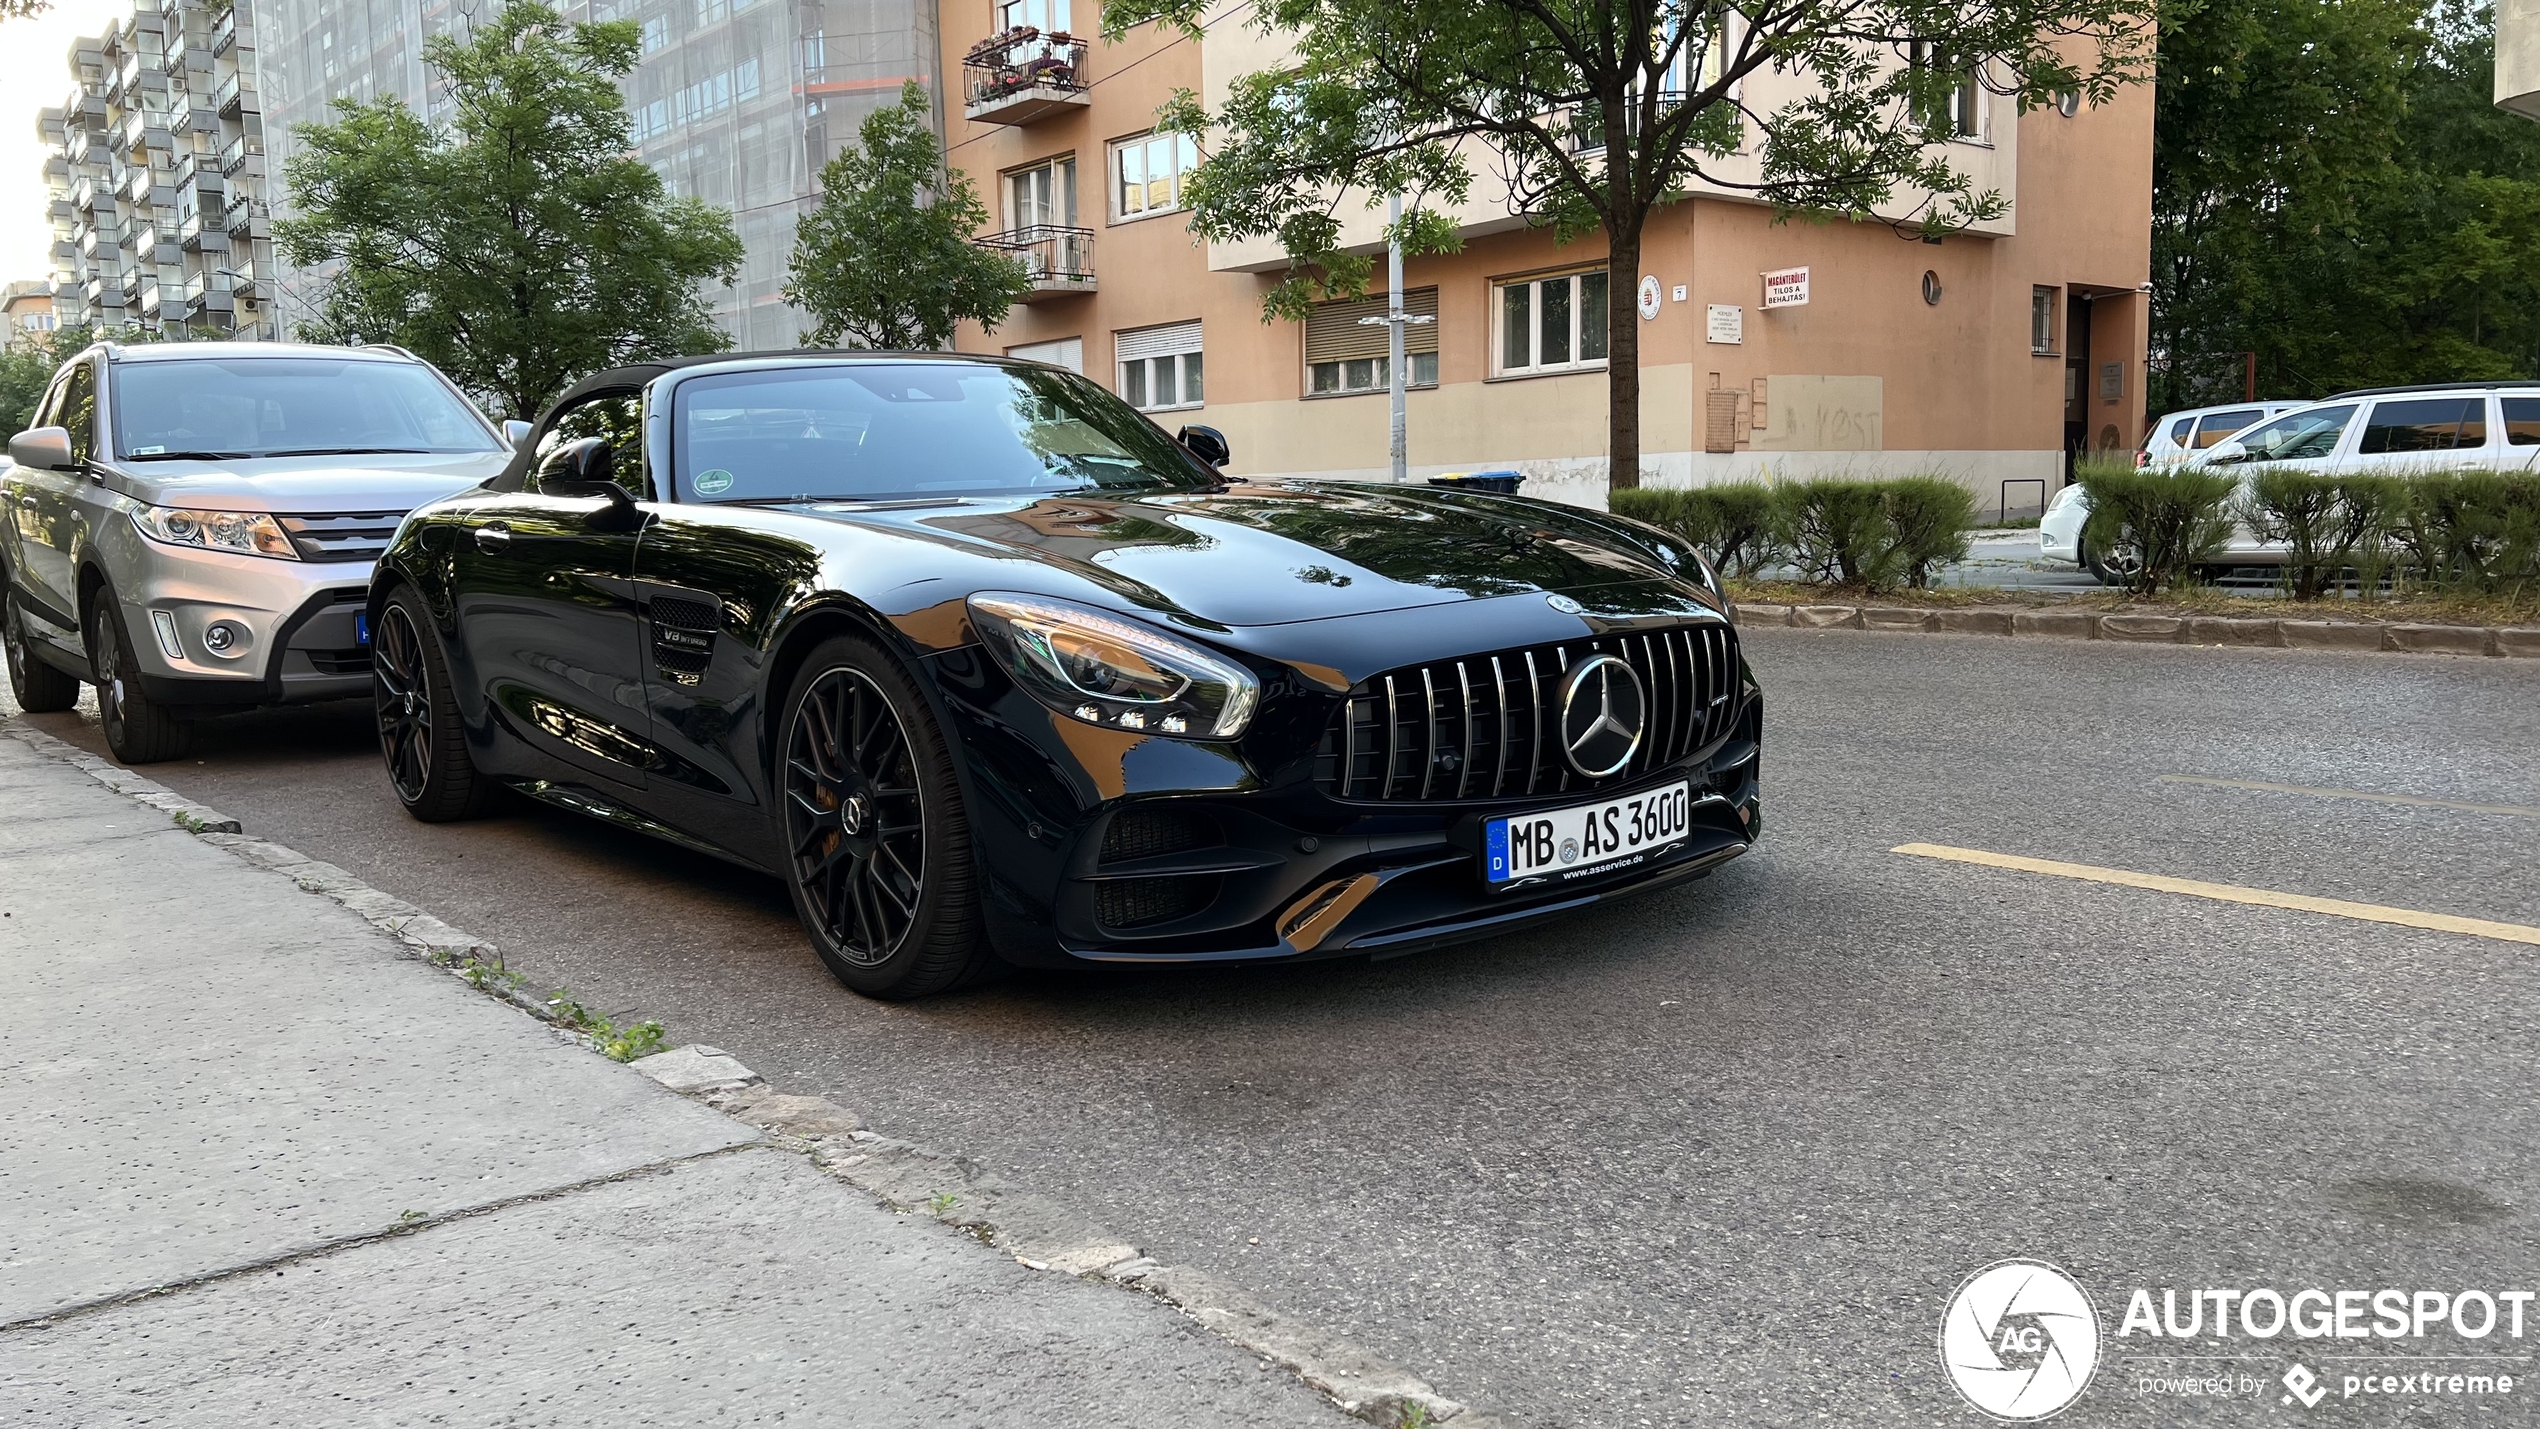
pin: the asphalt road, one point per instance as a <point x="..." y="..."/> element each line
<point x="1723" y="1154"/>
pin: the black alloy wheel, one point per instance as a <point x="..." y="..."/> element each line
<point x="139" y="730"/>
<point x="2119" y="567"/>
<point x="39" y="688"/>
<point x="420" y="732"/>
<point x="877" y="848"/>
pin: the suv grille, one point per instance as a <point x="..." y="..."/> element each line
<point x="342" y="535"/>
<point x="1476" y="728"/>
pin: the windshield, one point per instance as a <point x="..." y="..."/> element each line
<point x="239" y="407"/>
<point x="861" y="431"/>
<point x="2311" y="432"/>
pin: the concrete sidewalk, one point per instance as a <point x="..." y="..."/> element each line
<point x="259" y="1165"/>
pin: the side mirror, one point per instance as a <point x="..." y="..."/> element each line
<point x="1206" y="443"/>
<point x="2225" y="452"/>
<point x="517" y="432"/>
<point x="43" y="449"/>
<point x="584" y="468"/>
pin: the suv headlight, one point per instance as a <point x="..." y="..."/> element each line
<point x="244" y="533"/>
<point x="1100" y="668"/>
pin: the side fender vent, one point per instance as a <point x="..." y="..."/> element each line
<point x="683" y="638"/>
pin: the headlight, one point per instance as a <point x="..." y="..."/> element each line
<point x="1099" y="668"/>
<point x="245" y="533"/>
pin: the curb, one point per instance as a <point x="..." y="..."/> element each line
<point x="957" y="1190"/>
<point x="2506" y="641"/>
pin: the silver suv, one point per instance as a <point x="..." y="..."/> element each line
<point x="191" y="526"/>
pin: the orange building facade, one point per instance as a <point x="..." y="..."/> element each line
<point x="1989" y="357"/>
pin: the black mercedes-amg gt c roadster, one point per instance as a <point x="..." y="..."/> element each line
<point x="983" y="665"/>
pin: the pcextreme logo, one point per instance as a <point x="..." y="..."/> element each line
<point x="2020" y="1340"/>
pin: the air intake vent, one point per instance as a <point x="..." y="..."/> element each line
<point x="683" y="638"/>
<point x="341" y="535"/>
<point x="1481" y="727"/>
<point x="1149" y="833"/>
<point x="1143" y="902"/>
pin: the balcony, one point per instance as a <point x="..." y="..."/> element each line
<point x="208" y="294"/>
<point x="240" y="216"/>
<point x="224" y="32"/>
<point x="199" y="230"/>
<point x="1023" y="77"/>
<point x="1058" y="260"/>
<point x="227" y="98"/>
<point x="240" y="150"/>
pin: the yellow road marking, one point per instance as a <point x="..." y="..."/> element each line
<point x="2230" y="893"/>
<point x="2417" y="801"/>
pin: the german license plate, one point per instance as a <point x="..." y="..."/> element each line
<point x="1585" y="839"/>
<point x="361" y="627"/>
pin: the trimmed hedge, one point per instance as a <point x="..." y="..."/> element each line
<point x="1850" y="531"/>
<point x="2172" y="520"/>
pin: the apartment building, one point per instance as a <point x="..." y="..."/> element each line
<point x="27" y="310"/>
<point x="157" y="176"/>
<point x="737" y="102"/>
<point x="1784" y="347"/>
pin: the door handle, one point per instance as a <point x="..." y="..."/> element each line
<point x="493" y="538"/>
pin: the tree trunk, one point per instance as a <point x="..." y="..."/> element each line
<point x="1622" y="361"/>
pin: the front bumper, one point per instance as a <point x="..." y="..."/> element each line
<point x="293" y="627"/>
<point x="1215" y="861"/>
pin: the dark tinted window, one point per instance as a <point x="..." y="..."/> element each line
<point x="2522" y="421"/>
<point x="855" y="431"/>
<point x="618" y="417"/>
<point x="79" y="410"/>
<point x="2178" y="429"/>
<point x="2426" y="424"/>
<point x="288" y="406"/>
<point x="2310" y="432"/>
<point x="2219" y="425"/>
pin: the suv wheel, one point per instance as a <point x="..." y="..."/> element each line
<point x="38" y="687"/>
<point x="878" y="853"/>
<point x="420" y="731"/>
<point x="2120" y="567"/>
<point x="139" y="729"/>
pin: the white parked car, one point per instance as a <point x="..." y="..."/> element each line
<point x="2393" y="430"/>
<point x="2183" y="436"/>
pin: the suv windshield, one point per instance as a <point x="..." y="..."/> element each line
<point x="167" y="409"/>
<point x="860" y="431"/>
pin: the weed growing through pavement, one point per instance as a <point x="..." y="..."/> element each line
<point x="618" y="1044"/>
<point x="941" y="1203"/>
<point x="1415" y="1416"/>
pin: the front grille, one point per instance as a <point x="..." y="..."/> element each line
<point x="1141" y="902"/>
<point x="1477" y="728"/>
<point x="342" y="535"/>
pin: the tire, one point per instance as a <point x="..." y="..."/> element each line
<point x="865" y="790"/>
<point x="139" y="729"/>
<point x="421" y="737"/>
<point x="2118" y="570"/>
<point x="39" y="688"/>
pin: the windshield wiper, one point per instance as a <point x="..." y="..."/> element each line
<point x="354" y="451"/>
<point x="189" y="456"/>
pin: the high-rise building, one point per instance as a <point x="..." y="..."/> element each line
<point x="158" y="209"/>
<point x="737" y="102"/>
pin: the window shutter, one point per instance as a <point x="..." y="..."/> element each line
<point x="1159" y="341"/>
<point x="1332" y="331"/>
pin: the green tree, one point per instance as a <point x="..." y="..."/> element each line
<point x="2335" y="192"/>
<point x="522" y="245"/>
<point x="1598" y="112"/>
<point x="885" y="260"/>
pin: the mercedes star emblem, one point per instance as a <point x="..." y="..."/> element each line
<point x="1603" y="715"/>
<point x="1563" y="604"/>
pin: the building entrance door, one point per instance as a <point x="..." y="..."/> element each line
<point x="2076" y="380"/>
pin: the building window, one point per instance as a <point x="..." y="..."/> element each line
<point x="1554" y="324"/>
<point x="656" y="33"/>
<point x="1160" y="367"/>
<point x="1147" y="174"/>
<point x="2041" y="321"/>
<point x="1345" y="354"/>
<point x="1956" y="111"/>
<point x="1043" y="194"/>
<point x="1046" y="16"/>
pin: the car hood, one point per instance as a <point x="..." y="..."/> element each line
<point x="1272" y="554"/>
<point x="308" y="484"/>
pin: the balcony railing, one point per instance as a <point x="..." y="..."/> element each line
<point x="226" y="97"/>
<point x="1024" y="76"/>
<point x="238" y="152"/>
<point x="239" y="215"/>
<point x="1058" y="260"/>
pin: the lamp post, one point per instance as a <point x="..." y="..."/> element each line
<point x="1394" y="320"/>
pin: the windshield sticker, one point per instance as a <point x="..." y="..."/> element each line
<point x="148" y="451"/>
<point x="713" y="482"/>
